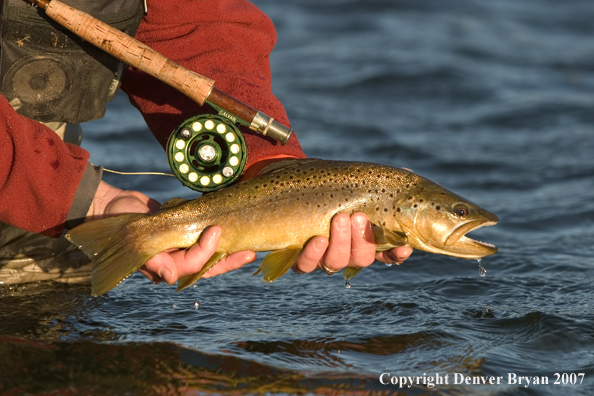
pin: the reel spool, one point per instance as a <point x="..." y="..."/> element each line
<point x="207" y="152"/>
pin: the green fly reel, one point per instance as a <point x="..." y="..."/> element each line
<point x="207" y="152"/>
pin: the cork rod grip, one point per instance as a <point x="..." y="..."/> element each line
<point x="139" y="55"/>
<point x="128" y="50"/>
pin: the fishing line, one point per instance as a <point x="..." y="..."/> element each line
<point x="137" y="173"/>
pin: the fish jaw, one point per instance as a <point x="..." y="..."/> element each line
<point x="457" y="244"/>
<point x="460" y="245"/>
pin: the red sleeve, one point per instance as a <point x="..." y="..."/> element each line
<point x="39" y="174"/>
<point x="228" y="41"/>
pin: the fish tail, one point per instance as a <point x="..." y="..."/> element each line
<point x="109" y="243"/>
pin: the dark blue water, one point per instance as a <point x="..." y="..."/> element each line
<point x="494" y="100"/>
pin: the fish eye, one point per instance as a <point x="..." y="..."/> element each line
<point x="461" y="210"/>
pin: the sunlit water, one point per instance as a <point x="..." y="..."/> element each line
<point x="494" y="100"/>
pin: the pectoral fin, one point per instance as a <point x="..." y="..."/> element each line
<point x="189" y="280"/>
<point x="350" y="272"/>
<point x="277" y="263"/>
<point x="386" y="239"/>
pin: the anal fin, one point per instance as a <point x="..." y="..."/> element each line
<point x="277" y="263"/>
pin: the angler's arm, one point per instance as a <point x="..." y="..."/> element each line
<point x="228" y="41"/>
<point x="40" y="175"/>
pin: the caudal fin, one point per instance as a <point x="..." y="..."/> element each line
<point x="110" y="245"/>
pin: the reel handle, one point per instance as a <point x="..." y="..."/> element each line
<point x="141" y="56"/>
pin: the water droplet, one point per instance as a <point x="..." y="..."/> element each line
<point x="482" y="270"/>
<point x="196" y="305"/>
<point x="174" y="306"/>
<point x="347" y="284"/>
<point x="389" y="264"/>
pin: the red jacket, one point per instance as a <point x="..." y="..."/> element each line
<point x="226" y="40"/>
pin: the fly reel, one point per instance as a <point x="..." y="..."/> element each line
<point x="207" y="152"/>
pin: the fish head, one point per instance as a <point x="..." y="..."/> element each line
<point x="437" y="220"/>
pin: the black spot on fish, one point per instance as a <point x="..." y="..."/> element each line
<point x="397" y="209"/>
<point x="415" y="205"/>
<point x="385" y="209"/>
<point x="437" y="208"/>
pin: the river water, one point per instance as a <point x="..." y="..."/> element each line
<point x="492" y="99"/>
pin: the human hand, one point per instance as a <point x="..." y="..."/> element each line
<point x="172" y="264"/>
<point x="351" y="244"/>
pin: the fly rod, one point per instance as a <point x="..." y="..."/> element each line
<point x="131" y="51"/>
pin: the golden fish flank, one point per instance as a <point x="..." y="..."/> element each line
<point x="280" y="210"/>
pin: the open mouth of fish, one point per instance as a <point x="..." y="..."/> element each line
<point x="458" y="237"/>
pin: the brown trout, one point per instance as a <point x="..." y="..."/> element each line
<point x="280" y="211"/>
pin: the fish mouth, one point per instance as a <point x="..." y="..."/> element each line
<point x="467" y="247"/>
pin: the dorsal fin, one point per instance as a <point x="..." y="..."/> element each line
<point x="174" y="202"/>
<point x="286" y="164"/>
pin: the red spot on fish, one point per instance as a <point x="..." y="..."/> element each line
<point x="55" y="164"/>
<point x="51" y="141"/>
